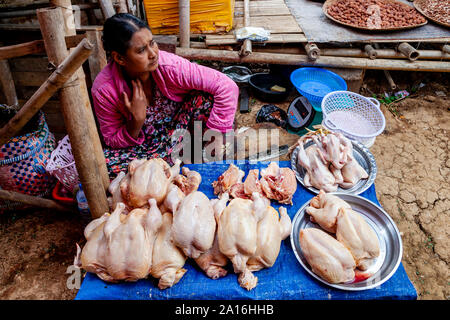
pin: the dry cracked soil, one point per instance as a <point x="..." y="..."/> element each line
<point x="413" y="186"/>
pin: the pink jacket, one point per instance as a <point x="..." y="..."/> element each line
<point x="175" y="77"/>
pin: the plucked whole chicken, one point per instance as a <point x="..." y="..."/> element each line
<point x="213" y="261"/>
<point x="168" y="260"/>
<point x="147" y="179"/>
<point x="194" y="224"/>
<point x="120" y="246"/>
<point x="328" y="258"/>
<point x="250" y="234"/>
<point x="356" y="234"/>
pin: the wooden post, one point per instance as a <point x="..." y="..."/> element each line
<point x="312" y="51"/>
<point x="409" y="51"/>
<point x="371" y="52"/>
<point x="56" y="80"/>
<point x="97" y="60"/>
<point x="76" y="117"/>
<point x="33" y="201"/>
<point x="7" y="83"/>
<point x="69" y="23"/>
<point x="184" y="10"/>
<point x="122" y="6"/>
<point x="107" y="8"/>
<point x="246" y="47"/>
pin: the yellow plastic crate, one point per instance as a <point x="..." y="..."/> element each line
<point x="207" y="16"/>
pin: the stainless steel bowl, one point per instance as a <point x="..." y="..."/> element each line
<point x="361" y="154"/>
<point x="391" y="248"/>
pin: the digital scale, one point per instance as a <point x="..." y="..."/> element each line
<point x="300" y="114"/>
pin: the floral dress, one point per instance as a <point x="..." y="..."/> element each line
<point x="164" y="116"/>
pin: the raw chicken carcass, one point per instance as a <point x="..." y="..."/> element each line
<point x="317" y="173"/>
<point x="324" y="209"/>
<point x="213" y="261"/>
<point x="271" y="230"/>
<point x="352" y="172"/>
<point x="356" y="234"/>
<point x="194" y="224"/>
<point x="278" y="183"/>
<point x="120" y="246"/>
<point x="328" y="258"/>
<point x="237" y="235"/>
<point x="334" y="148"/>
<point x="188" y="181"/>
<point x="168" y="260"/>
<point x="227" y="179"/>
<point x="148" y="179"/>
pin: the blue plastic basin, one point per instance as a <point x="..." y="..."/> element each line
<point x="316" y="83"/>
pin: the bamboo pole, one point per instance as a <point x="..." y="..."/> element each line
<point x="385" y="53"/>
<point x="294" y="59"/>
<point x="370" y="51"/>
<point x="312" y="51"/>
<point x="33" y="201"/>
<point x="56" y="80"/>
<point x="75" y="115"/>
<point x="69" y="23"/>
<point x="184" y="10"/>
<point x="408" y="50"/>
<point x="7" y="83"/>
<point x="107" y="8"/>
<point x="246" y="47"/>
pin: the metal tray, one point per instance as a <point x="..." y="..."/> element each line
<point x="361" y="154"/>
<point x="391" y="248"/>
<point x="329" y="3"/>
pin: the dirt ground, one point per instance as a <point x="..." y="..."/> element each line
<point x="413" y="186"/>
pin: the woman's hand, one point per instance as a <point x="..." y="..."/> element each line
<point x="137" y="107"/>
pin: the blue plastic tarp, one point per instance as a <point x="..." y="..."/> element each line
<point x="285" y="280"/>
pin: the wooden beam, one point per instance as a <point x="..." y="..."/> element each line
<point x="323" y="61"/>
<point x="34" y="47"/>
<point x="75" y="113"/>
<point x="56" y="80"/>
<point x="34" y="201"/>
<point x="23" y="49"/>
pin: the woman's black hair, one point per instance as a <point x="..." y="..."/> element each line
<point x="118" y="31"/>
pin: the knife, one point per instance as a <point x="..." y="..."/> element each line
<point x="264" y="156"/>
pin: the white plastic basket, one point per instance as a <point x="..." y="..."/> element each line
<point x="355" y="116"/>
<point x="62" y="165"/>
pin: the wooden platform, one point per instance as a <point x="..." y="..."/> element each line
<point x="272" y="15"/>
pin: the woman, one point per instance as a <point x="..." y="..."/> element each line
<point x="143" y="95"/>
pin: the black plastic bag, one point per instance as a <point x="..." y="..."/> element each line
<point x="271" y="113"/>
